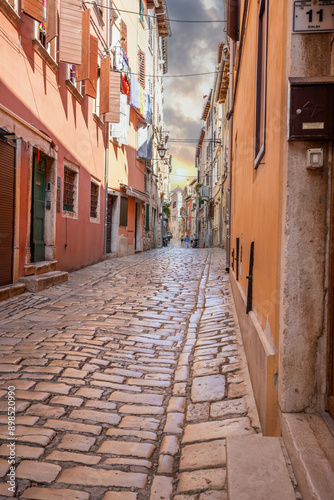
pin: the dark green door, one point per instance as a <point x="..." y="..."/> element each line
<point x="38" y="210"/>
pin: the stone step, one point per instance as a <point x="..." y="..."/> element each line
<point x="310" y="444"/>
<point x="42" y="267"/>
<point x="256" y="469"/>
<point x="37" y="283"/>
<point x="11" y="290"/>
<point x="108" y="256"/>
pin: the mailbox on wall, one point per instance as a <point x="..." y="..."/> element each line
<point x="311" y="110"/>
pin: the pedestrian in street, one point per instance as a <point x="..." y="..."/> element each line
<point x="182" y="241"/>
<point x="186" y="239"/>
<point x="191" y="239"/>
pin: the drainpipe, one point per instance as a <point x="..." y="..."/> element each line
<point x="106" y="176"/>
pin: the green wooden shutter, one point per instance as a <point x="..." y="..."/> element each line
<point x="147" y="220"/>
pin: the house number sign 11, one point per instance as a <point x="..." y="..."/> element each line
<point x="313" y="16"/>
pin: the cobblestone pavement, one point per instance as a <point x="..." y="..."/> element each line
<point x="128" y="378"/>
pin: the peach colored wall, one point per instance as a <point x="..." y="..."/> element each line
<point x="256" y="196"/>
<point x="29" y="88"/>
<point x="256" y="193"/>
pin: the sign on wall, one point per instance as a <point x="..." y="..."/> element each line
<point x="313" y="16"/>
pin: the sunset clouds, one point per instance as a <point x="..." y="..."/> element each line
<point x="192" y="48"/>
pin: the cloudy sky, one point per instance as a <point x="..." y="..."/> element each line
<point x="192" y="48"/>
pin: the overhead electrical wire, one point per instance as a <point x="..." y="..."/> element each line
<point x="156" y="16"/>
<point x="178" y="76"/>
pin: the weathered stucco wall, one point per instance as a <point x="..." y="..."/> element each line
<point x="306" y="201"/>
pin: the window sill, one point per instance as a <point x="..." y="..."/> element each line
<point x="10" y="13"/>
<point x="74" y="91"/>
<point x="94" y="220"/>
<point x="70" y="215"/>
<point x="98" y="120"/>
<point x="41" y="51"/>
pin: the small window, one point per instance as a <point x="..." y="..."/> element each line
<point x="99" y="12"/>
<point x="96" y="101"/>
<point x="70" y="195"/>
<point x="94" y="200"/>
<point x="13" y="4"/>
<point x="71" y="76"/>
<point x="42" y="36"/>
<point x="261" y="82"/>
<point x="123" y="218"/>
<point x="147" y="218"/>
<point x="141" y="10"/>
<point x="141" y="67"/>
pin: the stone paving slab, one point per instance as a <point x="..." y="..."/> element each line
<point x="129" y="379"/>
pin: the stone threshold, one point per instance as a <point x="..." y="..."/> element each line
<point x="11" y="290"/>
<point x="309" y="440"/>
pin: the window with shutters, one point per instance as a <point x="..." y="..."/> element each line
<point x="147" y="217"/>
<point x="261" y="83"/>
<point x="141" y="67"/>
<point x="123" y="213"/>
<point x="70" y="192"/>
<point x="94" y="200"/>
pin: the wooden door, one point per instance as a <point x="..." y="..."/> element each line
<point x="38" y="210"/>
<point x="7" y="184"/>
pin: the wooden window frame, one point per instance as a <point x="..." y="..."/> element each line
<point x="261" y="83"/>
<point x="123" y="212"/>
<point x="71" y="213"/>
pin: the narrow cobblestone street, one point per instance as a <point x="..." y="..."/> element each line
<point x="128" y="379"/>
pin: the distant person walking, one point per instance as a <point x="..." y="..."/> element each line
<point x="191" y="239"/>
<point x="186" y="239"/>
<point x="182" y="241"/>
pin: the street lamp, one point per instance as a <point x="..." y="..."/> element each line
<point x="162" y="151"/>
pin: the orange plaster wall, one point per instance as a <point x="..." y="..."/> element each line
<point x="256" y="194"/>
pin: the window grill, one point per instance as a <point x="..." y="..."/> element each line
<point x="94" y="199"/>
<point x="69" y="182"/>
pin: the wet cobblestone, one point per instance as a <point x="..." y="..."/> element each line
<point x="129" y="378"/>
